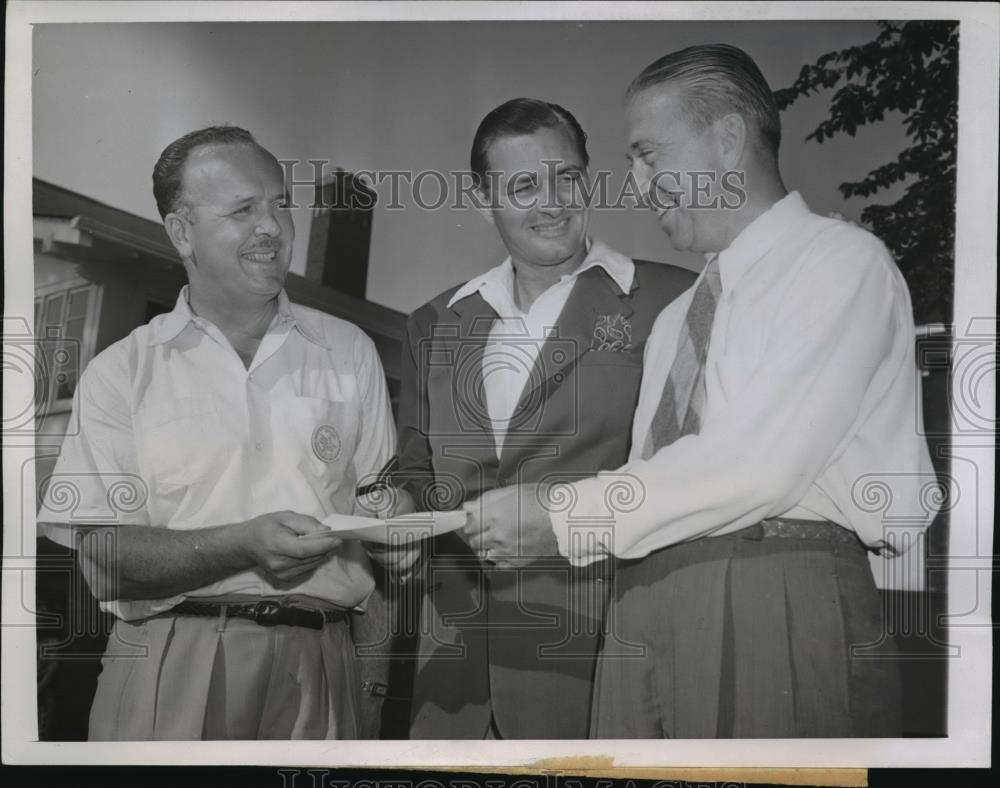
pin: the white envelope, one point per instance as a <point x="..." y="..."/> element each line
<point x="399" y="530"/>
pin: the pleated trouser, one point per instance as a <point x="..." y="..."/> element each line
<point x="747" y="636"/>
<point x="181" y="678"/>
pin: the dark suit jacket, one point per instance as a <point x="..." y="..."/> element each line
<point x="519" y="643"/>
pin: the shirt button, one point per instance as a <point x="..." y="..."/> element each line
<point x="259" y="446"/>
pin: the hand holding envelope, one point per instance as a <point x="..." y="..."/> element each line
<point x="393" y="542"/>
<point x="402" y="558"/>
<point x="510" y="526"/>
<point x="392" y="520"/>
<point x="398" y="530"/>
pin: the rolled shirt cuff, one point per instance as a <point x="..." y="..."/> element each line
<point x="583" y="525"/>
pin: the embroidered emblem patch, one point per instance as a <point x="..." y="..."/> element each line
<point x="612" y="333"/>
<point x="326" y="443"/>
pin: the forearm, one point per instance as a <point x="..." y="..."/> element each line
<point x="140" y="562"/>
<point x="765" y="442"/>
<point x="752" y="463"/>
<point x="414" y="473"/>
<point x="415" y="470"/>
<point x="666" y="500"/>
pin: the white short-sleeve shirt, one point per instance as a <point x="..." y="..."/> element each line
<point x="176" y="432"/>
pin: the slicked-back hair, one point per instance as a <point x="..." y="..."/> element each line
<point x="716" y="79"/>
<point x="516" y="118"/>
<point x="168" y="172"/>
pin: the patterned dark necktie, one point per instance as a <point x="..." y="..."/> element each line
<point x="683" y="399"/>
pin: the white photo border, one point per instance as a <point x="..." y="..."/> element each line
<point x="969" y="718"/>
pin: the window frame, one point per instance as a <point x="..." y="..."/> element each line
<point x="45" y="336"/>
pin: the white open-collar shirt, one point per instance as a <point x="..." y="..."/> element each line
<point x="517" y="336"/>
<point x="175" y="432"/>
<point x="813" y="403"/>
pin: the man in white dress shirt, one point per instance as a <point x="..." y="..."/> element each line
<point x="772" y="389"/>
<point x="212" y="442"/>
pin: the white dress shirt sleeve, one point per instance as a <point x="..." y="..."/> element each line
<point x="828" y="351"/>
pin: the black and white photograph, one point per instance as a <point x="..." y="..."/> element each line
<point x="473" y="384"/>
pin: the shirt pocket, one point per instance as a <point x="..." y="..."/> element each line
<point x="181" y="442"/>
<point x="318" y="436"/>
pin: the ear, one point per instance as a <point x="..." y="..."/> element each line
<point x="732" y="134"/>
<point x="482" y="205"/>
<point x="177" y="227"/>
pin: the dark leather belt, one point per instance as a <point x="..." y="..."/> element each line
<point x="792" y="528"/>
<point x="266" y="613"/>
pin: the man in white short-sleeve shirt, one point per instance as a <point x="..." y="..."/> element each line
<point x="212" y="442"/>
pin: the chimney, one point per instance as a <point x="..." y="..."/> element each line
<point x="340" y="234"/>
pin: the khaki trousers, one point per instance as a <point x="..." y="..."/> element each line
<point x="183" y="678"/>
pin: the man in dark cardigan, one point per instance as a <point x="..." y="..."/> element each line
<point x="528" y="372"/>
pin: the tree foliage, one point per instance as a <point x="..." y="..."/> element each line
<point x="910" y="68"/>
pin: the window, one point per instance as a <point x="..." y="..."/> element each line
<point x="66" y="332"/>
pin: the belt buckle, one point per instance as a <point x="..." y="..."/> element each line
<point x="266" y="613"/>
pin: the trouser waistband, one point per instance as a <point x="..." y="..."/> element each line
<point x="266" y="613"/>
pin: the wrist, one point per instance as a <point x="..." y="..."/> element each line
<point x="552" y="497"/>
<point x="235" y="541"/>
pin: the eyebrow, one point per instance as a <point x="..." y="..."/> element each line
<point x="523" y="177"/>
<point x="533" y="176"/>
<point x="240" y="201"/>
